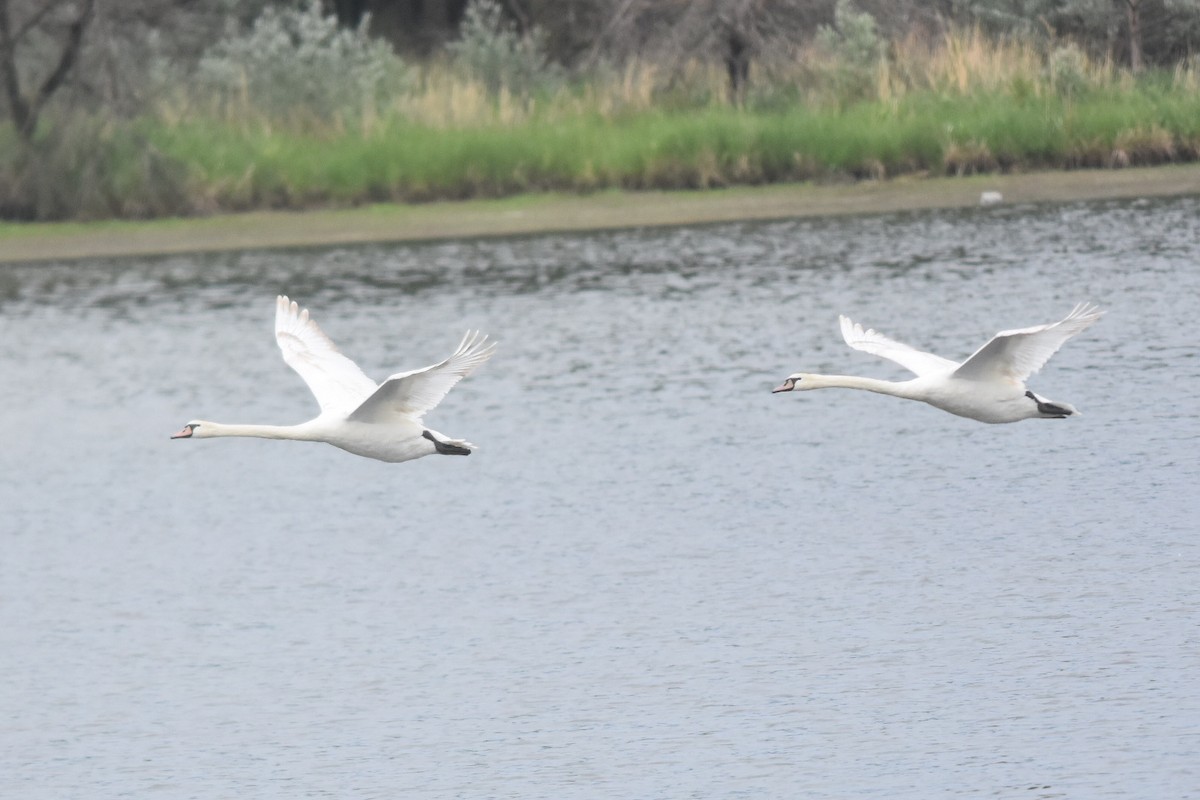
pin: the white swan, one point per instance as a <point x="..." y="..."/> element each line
<point x="989" y="386"/>
<point x="381" y="422"/>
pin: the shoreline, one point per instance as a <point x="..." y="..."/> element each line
<point x="559" y="213"/>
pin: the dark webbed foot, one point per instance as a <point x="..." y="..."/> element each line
<point x="445" y="448"/>
<point x="1049" y="409"/>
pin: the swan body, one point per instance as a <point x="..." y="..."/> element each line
<point x="375" y="421"/>
<point x="988" y="387"/>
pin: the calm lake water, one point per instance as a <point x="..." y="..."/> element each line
<point x="654" y="579"/>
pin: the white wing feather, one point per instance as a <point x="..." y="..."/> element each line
<point x="412" y="394"/>
<point x="875" y="343"/>
<point x="1015" y="355"/>
<point x="336" y="381"/>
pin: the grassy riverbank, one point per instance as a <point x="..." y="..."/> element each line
<point x="713" y="147"/>
<point x="958" y="105"/>
<point x="151" y="169"/>
<point x="528" y="214"/>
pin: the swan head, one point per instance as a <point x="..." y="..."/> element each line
<point x="796" y="382"/>
<point x="192" y="429"/>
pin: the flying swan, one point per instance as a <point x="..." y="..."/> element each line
<point x="381" y="422"/>
<point x="989" y="386"/>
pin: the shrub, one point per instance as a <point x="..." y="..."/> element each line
<point x="297" y="58"/>
<point x="490" y="50"/>
<point x="1067" y="69"/>
<point x="89" y="168"/>
<point x="855" y="49"/>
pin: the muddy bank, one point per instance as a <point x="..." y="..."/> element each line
<point x="545" y="213"/>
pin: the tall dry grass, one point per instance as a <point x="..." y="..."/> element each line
<point x="963" y="61"/>
<point x="960" y="62"/>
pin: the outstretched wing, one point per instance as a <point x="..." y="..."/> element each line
<point x="336" y="381"/>
<point x="411" y="394"/>
<point x="875" y="343"/>
<point x="1017" y="354"/>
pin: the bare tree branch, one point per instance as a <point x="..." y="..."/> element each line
<point x="8" y="70"/>
<point x="617" y="19"/>
<point x="524" y="22"/>
<point x="24" y="111"/>
<point x="36" y="19"/>
<point x="1134" y="13"/>
<point x="69" y="54"/>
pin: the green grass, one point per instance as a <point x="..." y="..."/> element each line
<point x="707" y="147"/>
<point x="149" y="168"/>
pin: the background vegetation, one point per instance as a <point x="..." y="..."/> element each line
<point x="164" y="108"/>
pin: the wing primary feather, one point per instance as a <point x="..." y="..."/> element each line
<point x="412" y="394"/>
<point x="1014" y="355"/>
<point x="335" y="381"/>
<point x="868" y="340"/>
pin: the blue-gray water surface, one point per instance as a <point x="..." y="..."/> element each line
<point x="654" y="578"/>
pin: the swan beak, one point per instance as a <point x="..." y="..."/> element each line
<point x="786" y="386"/>
<point x="183" y="434"/>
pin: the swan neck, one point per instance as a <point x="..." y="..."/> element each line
<point x="213" y="429"/>
<point x="894" y="388"/>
